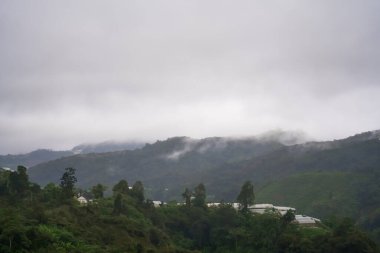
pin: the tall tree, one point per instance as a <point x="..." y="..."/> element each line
<point x="138" y="191"/>
<point x="13" y="230"/>
<point x="98" y="191"/>
<point x="200" y="196"/>
<point x="18" y="181"/>
<point x="118" y="204"/>
<point x="121" y="187"/>
<point x="187" y="194"/>
<point x="246" y="196"/>
<point x="67" y="184"/>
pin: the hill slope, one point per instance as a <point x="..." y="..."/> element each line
<point x="342" y="155"/>
<point x="32" y="158"/>
<point x="325" y="194"/>
<point x="171" y="164"/>
<point x="223" y="164"/>
<point x="44" y="155"/>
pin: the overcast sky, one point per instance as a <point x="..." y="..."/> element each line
<point x="89" y="71"/>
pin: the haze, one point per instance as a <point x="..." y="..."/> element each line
<point x="88" y="71"/>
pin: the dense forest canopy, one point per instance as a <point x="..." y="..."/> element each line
<point x="51" y="219"/>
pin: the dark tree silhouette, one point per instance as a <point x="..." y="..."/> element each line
<point x="67" y="184"/>
<point x="200" y="196"/>
<point x="246" y="196"/>
<point x="121" y="187"/>
<point x="138" y="191"/>
<point x="187" y="194"/>
<point x="98" y="191"/>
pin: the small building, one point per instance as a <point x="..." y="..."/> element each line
<point x="5" y="169"/>
<point x="214" y="204"/>
<point x="158" y="203"/>
<point x="262" y="208"/>
<point x="306" y="220"/>
<point x="82" y="200"/>
<point x="235" y="206"/>
<point x="284" y="209"/>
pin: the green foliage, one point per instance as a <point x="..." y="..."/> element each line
<point x="18" y="182"/>
<point x="166" y="177"/>
<point x="246" y="196"/>
<point x="118" y="205"/>
<point x="138" y="191"/>
<point x="288" y="217"/>
<point x="320" y="194"/>
<point x="121" y="187"/>
<point x="98" y="191"/>
<point x="199" y="196"/>
<point x="67" y="184"/>
<point x="187" y="194"/>
<point x="12" y="231"/>
<point x="128" y="223"/>
<point x="52" y="193"/>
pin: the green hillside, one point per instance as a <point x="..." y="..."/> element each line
<point x="338" y="156"/>
<point x="327" y="194"/>
<point x="165" y="167"/>
<point x="319" y="194"/>
<point x="51" y="219"/>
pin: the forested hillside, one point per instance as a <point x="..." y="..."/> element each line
<point x="50" y="219"/>
<point x="222" y="164"/>
<point x="165" y="167"/>
<point x="319" y="178"/>
<point x="326" y="194"/>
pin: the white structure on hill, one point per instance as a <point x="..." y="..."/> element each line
<point x="306" y="220"/>
<point x="300" y="219"/>
<point x="82" y="200"/>
<point x="158" y="203"/>
<point x="262" y="208"/>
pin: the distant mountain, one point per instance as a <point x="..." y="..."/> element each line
<point x="32" y="158"/>
<point x="44" y="155"/>
<point x="164" y="167"/>
<point x="223" y="164"/>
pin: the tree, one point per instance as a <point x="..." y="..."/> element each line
<point x="200" y="196"/>
<point x="138" y="191"/>
<point x="121" y="187"/>
<point x="18" y="181"/>
<point x="98" y="191"/>
<point x="187" y="196"/>
<point x="246" y="196"/>
<point x="12" y="230"/>
<point x="51" y="193"/>
<point x="287" y="218"/>
<point x="118" y="204"/>
<point x="68" y="181"/>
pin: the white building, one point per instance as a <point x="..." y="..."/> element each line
<point x="82" y="200"/>
<point x="306" y="220"/>
<point x="262" y="208"/>
<point x="158" y="203"/>
<point x="215" y="204"/>
<point x="284" y="209"/>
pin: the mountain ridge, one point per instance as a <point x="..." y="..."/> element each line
<point x="212" y="160"/>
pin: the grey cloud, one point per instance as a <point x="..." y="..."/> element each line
<point x="87" y="71"/>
